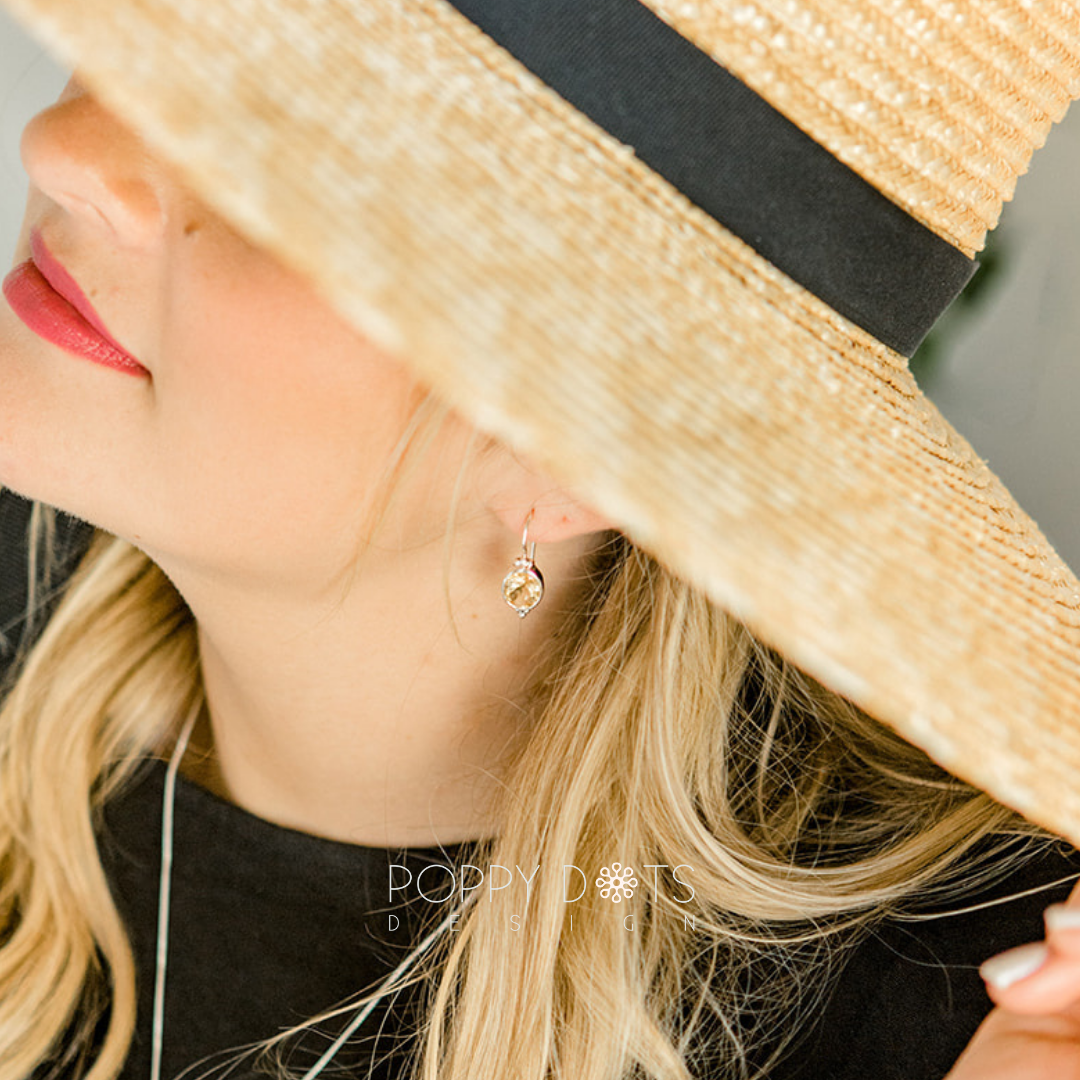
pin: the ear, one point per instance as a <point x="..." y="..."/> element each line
<point x="557" y="514"/>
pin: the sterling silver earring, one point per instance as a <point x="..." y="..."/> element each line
<point x="523" y="587"/>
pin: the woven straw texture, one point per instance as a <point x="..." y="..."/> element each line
<point x="569" y="301"/>
<point x="938" y="104"/>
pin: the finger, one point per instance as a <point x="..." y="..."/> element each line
<point x="1033" y="979"/>
<point x="1040" y="975"/>
<point x="1014" y="967"/>
<point x="1063" y="928"/>
<point x="1011" y="1046"/>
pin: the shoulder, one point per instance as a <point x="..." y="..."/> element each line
<point x="907" y="997"/>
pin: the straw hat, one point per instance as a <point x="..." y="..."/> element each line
<point x="675" y="251"/>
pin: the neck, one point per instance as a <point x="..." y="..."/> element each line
<point x="371" y="719"/>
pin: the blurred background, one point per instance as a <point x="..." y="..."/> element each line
<point x="28" y="80"/>
<point x="1003" y="365"/>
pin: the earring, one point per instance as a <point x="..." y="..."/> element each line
<point x="523" y="587"/>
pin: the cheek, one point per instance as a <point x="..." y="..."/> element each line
<point x="275" y="419"/>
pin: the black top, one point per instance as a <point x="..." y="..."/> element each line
<point x="909" y="997"/>
<point x="270" y="926"/>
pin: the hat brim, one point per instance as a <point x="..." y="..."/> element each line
<point x="570" y="302"/>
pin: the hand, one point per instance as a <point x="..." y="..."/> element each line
<point x="1034" y="1033"/>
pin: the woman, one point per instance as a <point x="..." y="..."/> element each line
<point x="297" y="588"/>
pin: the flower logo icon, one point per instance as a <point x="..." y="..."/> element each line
<point x="617" y="882"/>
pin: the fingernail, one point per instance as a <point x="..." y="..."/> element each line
<point x="1062" y="917"/>
<point x="1010" y="967"/>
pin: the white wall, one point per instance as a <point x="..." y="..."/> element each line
<point x="1010" y="382"/>
<point x="28" y="80"/>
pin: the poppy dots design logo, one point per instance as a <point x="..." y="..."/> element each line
<point x="440" y="883"/>
<point x="617" y="882"/>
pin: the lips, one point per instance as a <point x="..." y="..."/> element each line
<point x="47" y="299"/>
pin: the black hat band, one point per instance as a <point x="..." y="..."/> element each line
<point x="738" y="159"/>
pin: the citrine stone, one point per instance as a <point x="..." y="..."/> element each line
<point x="522" y="589"/>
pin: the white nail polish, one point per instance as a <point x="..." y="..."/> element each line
<point x="1062" y="917"/>
<point x="1010" y="967"/>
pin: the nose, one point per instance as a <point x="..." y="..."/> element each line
<point x="79" y="155"/>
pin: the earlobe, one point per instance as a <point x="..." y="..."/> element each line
<point x="565" y="520"/>
<point x="516" y="489"/>
<point x="555" y="516"/>
<point x="562" y="520"/>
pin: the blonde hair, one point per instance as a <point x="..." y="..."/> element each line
<point x="692" y="745"/>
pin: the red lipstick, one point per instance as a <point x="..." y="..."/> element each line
<point x="45" y="296"/>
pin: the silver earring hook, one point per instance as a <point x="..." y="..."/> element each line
<point x="525" y="551"/>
